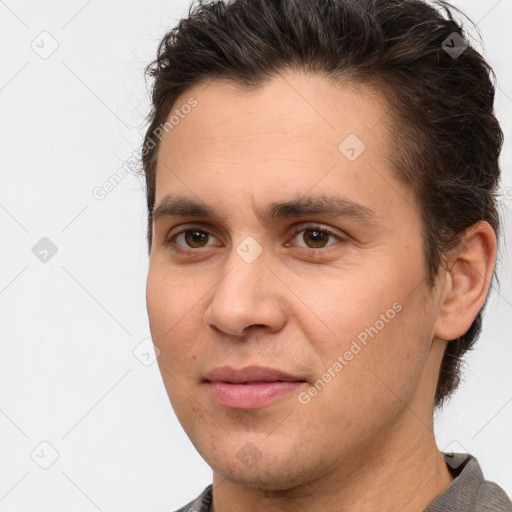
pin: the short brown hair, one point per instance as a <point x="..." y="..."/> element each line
<point x="446" y="138"/>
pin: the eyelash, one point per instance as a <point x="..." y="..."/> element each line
<point x="295" y="232"/>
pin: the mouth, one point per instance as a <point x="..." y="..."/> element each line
<point x="250" y="388"/>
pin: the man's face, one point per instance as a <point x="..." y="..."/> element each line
<point x="348" y="315"/>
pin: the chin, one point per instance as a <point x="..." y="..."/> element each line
<point x="278" y="472"/>
<point x="259" y="478"/>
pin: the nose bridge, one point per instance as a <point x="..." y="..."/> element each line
<point x="245" y="296"/>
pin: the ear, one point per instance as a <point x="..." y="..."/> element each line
<point x="468" y="275"/>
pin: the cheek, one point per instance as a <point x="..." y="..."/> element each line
<point x="377" y="323"/>
<point x="173" y="310"/>
<point x="345" y="308"/>
<point x="381" y="368"/>
<point x="175" y="320"/>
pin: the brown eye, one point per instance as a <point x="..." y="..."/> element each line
<point x="190" y="239"/>
<point x="196" y="238"/>
<point x="315" y="237"/>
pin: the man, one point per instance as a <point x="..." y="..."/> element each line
<point x="323" y="235"/>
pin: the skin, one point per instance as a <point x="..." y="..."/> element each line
<point x="366" y="441"/>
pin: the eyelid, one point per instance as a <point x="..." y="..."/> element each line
<point x="169" y="240"/>
<point x="294" y="231"/>
<point x="319" y="227"/>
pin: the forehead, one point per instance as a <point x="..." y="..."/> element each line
<point x="304" y="107"/>
<point x="294" y="133"/>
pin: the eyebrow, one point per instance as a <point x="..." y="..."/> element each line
<point x="304" y="205"/>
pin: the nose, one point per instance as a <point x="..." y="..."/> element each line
<point x="249" y="295"/>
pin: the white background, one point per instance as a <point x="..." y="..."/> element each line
<point x="68" y="375"/>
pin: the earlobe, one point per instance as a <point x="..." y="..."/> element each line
<point x="468" y="277"/>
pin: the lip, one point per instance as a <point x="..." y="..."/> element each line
<point x="250" y="388"/>
<point x="249" y="374"/>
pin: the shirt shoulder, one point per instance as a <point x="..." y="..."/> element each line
<point x="492" y="498"/>
<point x="469" y="491"/>
<point x="201" y="503"/>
